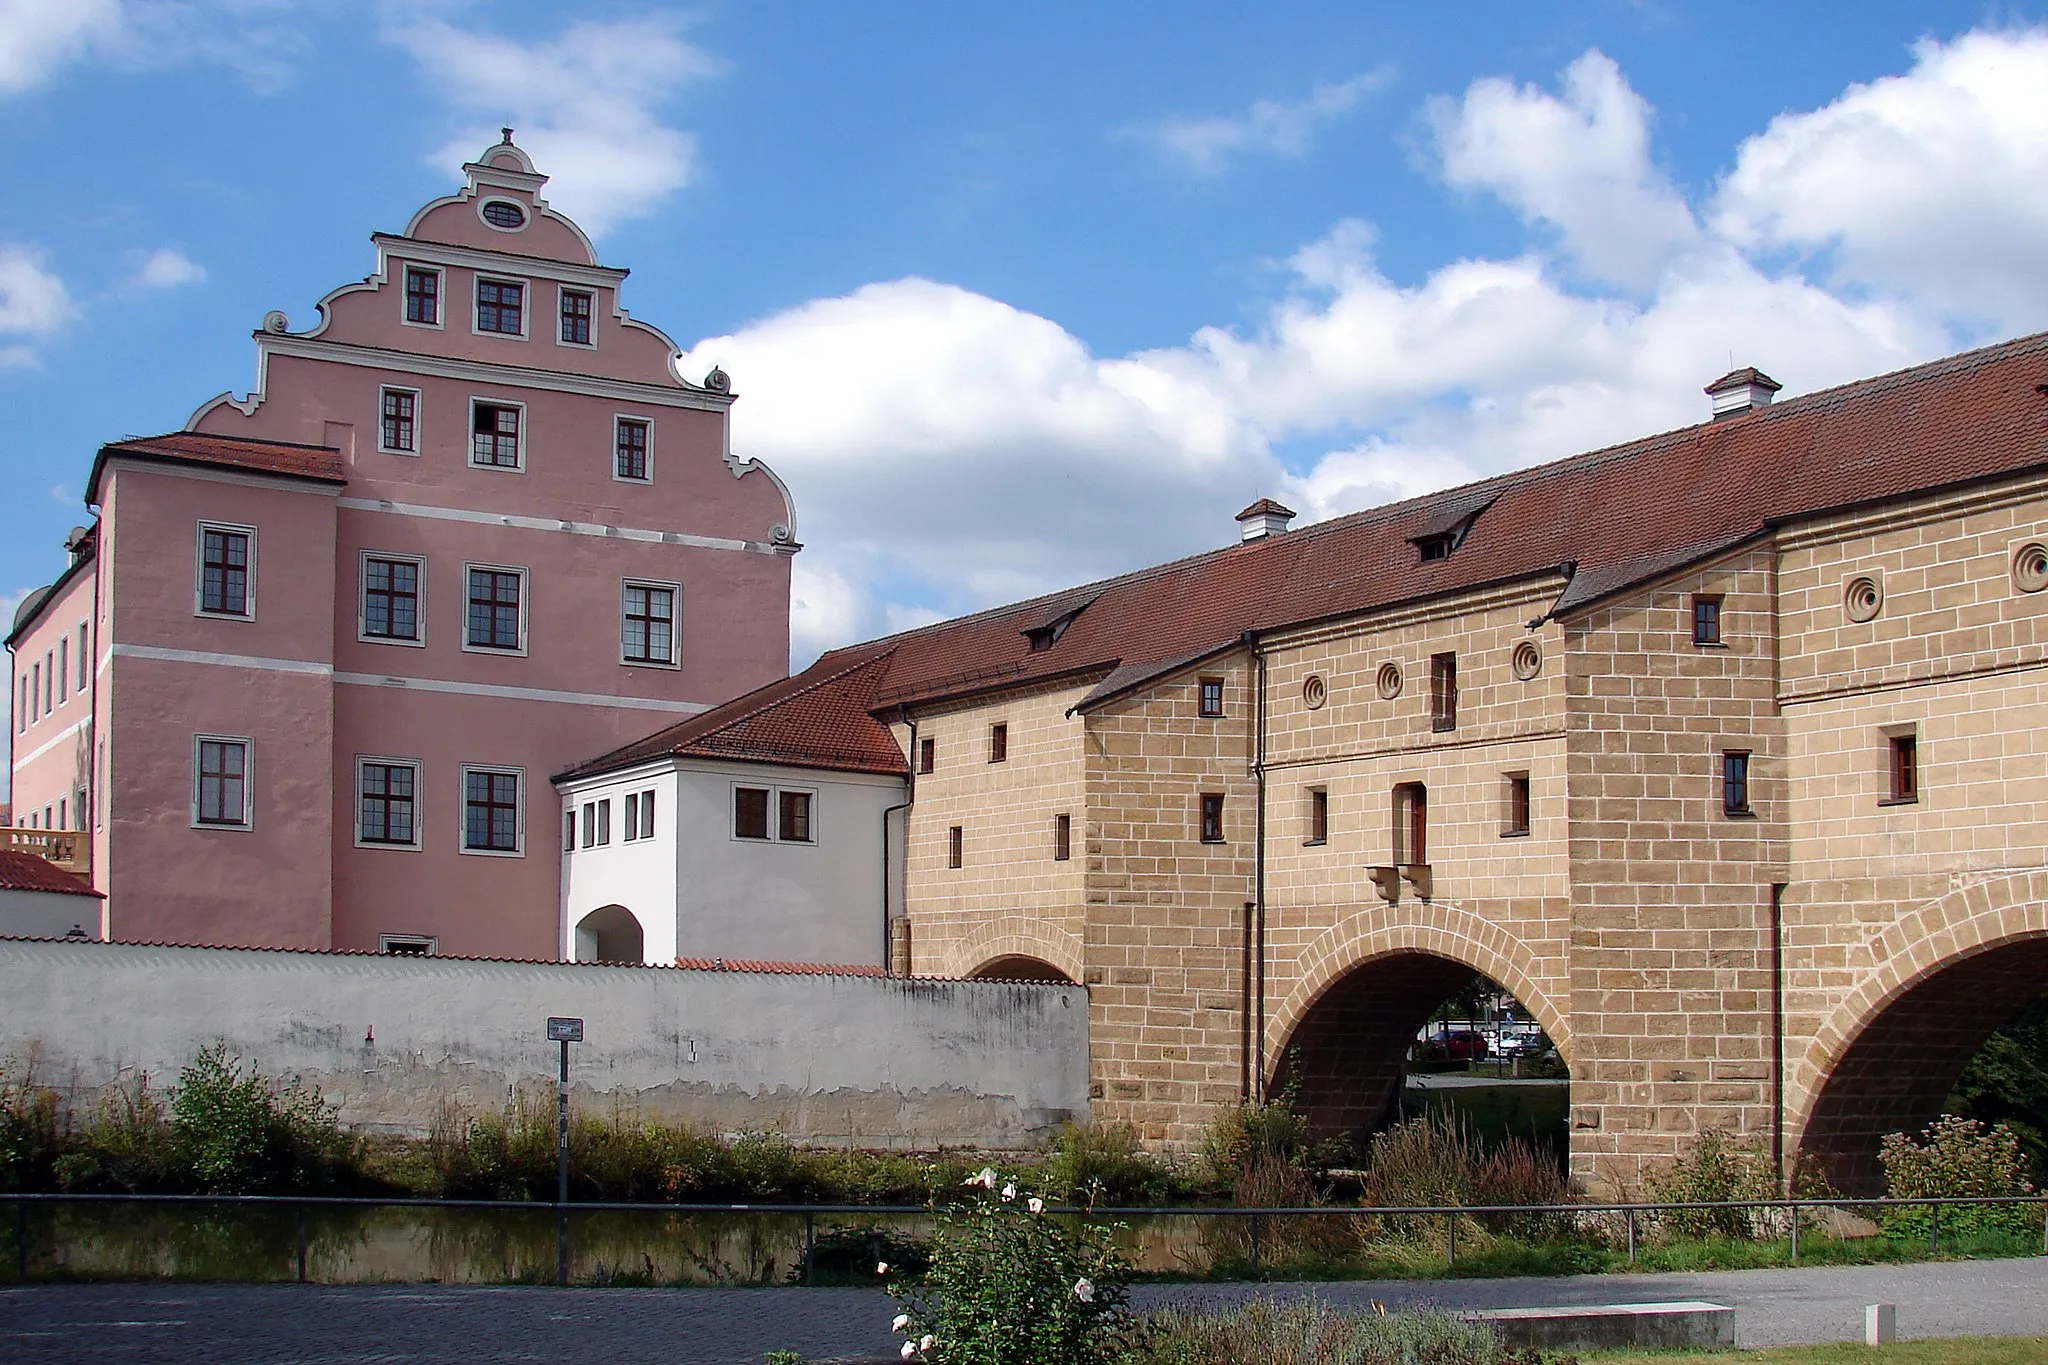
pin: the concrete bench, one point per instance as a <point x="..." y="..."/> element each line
<point x="1654" y="1326"/>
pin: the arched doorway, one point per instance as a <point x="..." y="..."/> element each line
<point x="1356" y="1057"/>
<point x="1900" y="1065"/>
<point x="610" y="933"/>
<point x="1018" y="967"/>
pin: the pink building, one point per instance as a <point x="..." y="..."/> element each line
<point x="306" y="677"/>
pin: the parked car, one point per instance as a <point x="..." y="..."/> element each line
<point x="1461" y="1044"/>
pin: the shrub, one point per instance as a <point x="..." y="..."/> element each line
<point x="235" y="1134"/>
<point x="1256" y="1136"/>
<point x="1958" y="1159"/>
<point x="1010" y="1285"/>
<point x="1438" y="1159"/>
<point x="1105" y="1165"/>
<point x="1307" y="1331"/>
<point x="31" y="1131"/>
<point x="1719" y="1168"/>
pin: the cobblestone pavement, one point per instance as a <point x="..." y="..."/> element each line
<point x="343" y="1325"/>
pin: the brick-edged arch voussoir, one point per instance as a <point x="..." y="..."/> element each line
<point x="1016" y="936"/>
<point x="1965" y="922"/>
<point x="1436" y="928"/>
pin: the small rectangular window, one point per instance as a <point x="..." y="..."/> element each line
<point x="1706" y="620"/>
<point x="223" y="571"/>
<point x="490" y="811"/>
<point x="49" y="681"/>
<point x="647" y="815"/>
<point x="1318" y="815"/>
<point x="927" y="754"/>
<point x="629" y="448"/>
<point x="954" y="849"/>
<point x="494" y="608"/>
<point x="998" y="743"/>
<point x="63" y="670"/>
<point x="568" y="831"/>
<point x="391" y="598"/>
<point x="590" y="824"/>
<point x="648" y="635"/>
<point x="1517" y="814"/>
<point x="406" y="945"/>
<point x="1211" y="805"/>
<point x="1904" y="751"/>
<point x="387" y="807"/>
<point x="222" y="794"/>
<point x="494" y="435"/>
<point x="1411" y="824"/>
<point x="1062" y="838"/>
<point x="793" y="824"/>
<point x="423" y="296"/>
<point x="1212" y="697"/>
<point x="750" y="812"/>
<point x="1443" y="692"/>
<point x="501" y="307"/>
<point x="576" y="317"/>
<point x="1735" y="782"/>
<point x="604" y="823"/>
<point x="631" y="832"/>
<point x="397" y="429"/>
<point x="84" y="658"/>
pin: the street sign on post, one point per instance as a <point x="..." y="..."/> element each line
<point x="565" y="1032"/>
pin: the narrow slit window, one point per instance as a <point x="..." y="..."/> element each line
<point x="647" y="815"/>
<point x="1735" y="782"/>
<point x="998" y="743"/>
<point x="1443" y="692"/>
<point x="1411" y="824"/>
<point x="1318" y="815"/>
<point x="1517" y="821"/>
<point x="1904" y="752"/>
<point x="631" y="832"/>
<point x="568" y="831"/>
<point x="1062" y="838"/>
<point x="927" y="754"/>
<point x="1211" y="809"/>
<point x="954" y="843"/>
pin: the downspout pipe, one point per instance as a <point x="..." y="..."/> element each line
<point x="1778" y="1035"/>
<point x="910" y="798"/>
<point x="1257" y="965"/>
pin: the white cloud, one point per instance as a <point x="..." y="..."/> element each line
<point x="166" y="268"/>
<point x="949" y="451"/>
<point x="1205" y="146"/>
<point x="1931" y="185"/>
<point x="585" y="103"/>
<point x="1580" y="164"/>
<point x="33" y="303"/>
<point x="39" y="37"/>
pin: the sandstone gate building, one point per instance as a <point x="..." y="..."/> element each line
<point x="1724" y="750"/>
<point x="306" y="676"/>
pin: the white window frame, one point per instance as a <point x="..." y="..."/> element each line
<point x="675" y="624"/>
<point x="775" y="791"/>
<point x="248" y="820"/>
<point x="525" y="609"/>
<point x="417" y="405"/>
<point x="644" y="420"/>
<point x="637" y="807"/>
<point x="431" y="942"/>
<point x="418" y="804"/>
<point x="469" y="435"/>
<point x="84" y="655"/>
<point x="420" y="607"/>
<point x="525" y="213"/>
<point x="595" y="295"/>
<point x="462" y="813"/>
<point x="440" y="295"/>
<point x="483" y="277"/>
<point x="199" y="571"/>
<point x="64" y="667"/>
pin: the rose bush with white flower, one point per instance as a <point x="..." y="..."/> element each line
<point x="1011" y="1284"/>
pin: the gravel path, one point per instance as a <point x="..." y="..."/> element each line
<point x="334" y="1325"/>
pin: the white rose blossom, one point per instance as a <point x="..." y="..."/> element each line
<point x="1009" y="1193"/>
<point x="881" y="1267"/>
<point x="1035" y="1204"/>
<point x="925" y="1344"/>
<point x="902" y="1321"/>
<point x="987" y="1178"/>
<point x="909" y="1349"/>
<point x="1084" y="1289"/>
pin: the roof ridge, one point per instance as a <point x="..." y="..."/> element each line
<point x="806" y="689"/>
<point x="218" y="436"/>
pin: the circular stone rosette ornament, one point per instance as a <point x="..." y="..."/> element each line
<point x="1863" y="599"/>
<point x="1388" y="680"/>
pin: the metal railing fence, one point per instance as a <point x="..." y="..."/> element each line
<point x="1631" y="1215"/>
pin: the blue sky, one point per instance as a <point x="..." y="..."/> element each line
<point x="1018" y="295"/>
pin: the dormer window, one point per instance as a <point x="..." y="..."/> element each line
<point x="1449" y="523"/>
<point x="1047" y="631"/>
<point x="1436" y="547"/>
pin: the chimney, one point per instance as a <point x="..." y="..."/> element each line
<point x="79" y="543"/>
<point x="1741" y="391"/>
<point x="1264" y="518"/>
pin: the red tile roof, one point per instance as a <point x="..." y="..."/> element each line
<point x="1600" y="522"/>
<point x="737" y="964"/>
<point x="322" y="464"/>
<point x="27" y="872"/>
